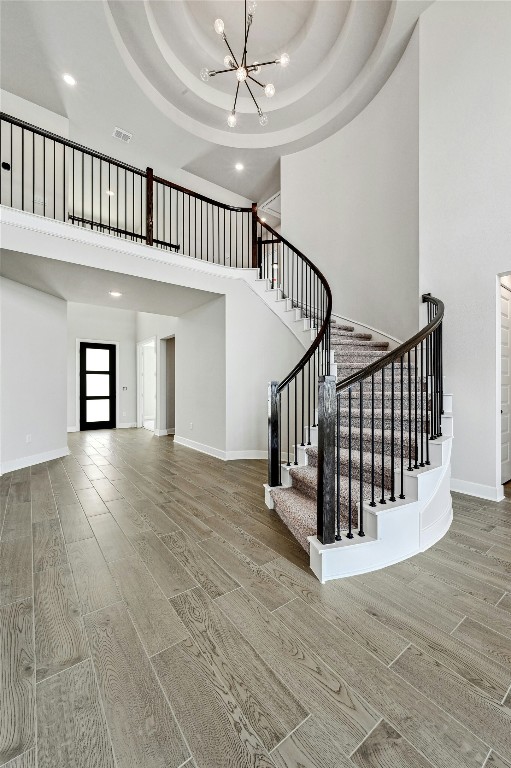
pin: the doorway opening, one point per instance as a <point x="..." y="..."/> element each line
<point x="97" y="386"/>
<point x="146" y="365"/>
<point x="505" y="378"/>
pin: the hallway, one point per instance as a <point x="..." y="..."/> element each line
<point x="155" y="614"/>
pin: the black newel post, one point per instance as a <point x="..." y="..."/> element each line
<point x="273" y="435"/>
<point x="327" y="407"/>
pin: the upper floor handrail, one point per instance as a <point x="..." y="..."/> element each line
<point x="68" y="143"/>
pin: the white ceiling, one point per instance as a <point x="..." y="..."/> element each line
<point x="86" y="285"/>
<point x="137" y="64"/>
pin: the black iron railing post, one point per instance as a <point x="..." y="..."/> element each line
<point x="327" y="414"/>
<point x="273" y="435"/>
<point x="255" y="260"/>
<point x="149" y="207"/>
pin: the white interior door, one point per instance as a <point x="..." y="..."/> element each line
<point x="505" y="319"/>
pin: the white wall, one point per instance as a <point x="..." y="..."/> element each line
<point x="465" y="221"/>
<point x="350" y="203"/>
<point x="33" y="378"/>
<point x="93" y="323"/>
<point x="201" y="377"/>
<point x="259" y="348"/>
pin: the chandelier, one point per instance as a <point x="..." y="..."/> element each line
<point x="244" y="71"/>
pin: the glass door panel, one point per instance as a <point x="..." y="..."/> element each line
<point x="97" y="359"/>
<point x="98" y="384"/>
<point x="98" y="410"/>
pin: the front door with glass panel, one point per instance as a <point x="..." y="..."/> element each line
<point x="97" y="386"/>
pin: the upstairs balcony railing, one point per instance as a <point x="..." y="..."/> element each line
<point x="46" y="174"/>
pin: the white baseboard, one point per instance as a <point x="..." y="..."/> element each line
<point x="73" y="429"/>
<point x="36" y="458"/>
<point x="163" y="432"/>
<point x="233" y="455"/>
<point x="490" y="492"/>
<point x="216" y="452"/>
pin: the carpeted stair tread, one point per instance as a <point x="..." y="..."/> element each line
<point x="334" y="333"/>
<point x="297" y="511"/>
<point x="305" y="478"/>
<point x="344" y="342"/>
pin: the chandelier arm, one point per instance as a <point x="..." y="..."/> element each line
<point x="253" y="98"/>
<point x="220" y="71"/>
<point x="256" y="81"/>
<point x="230" y="50"/>
<point x="236" y="97"/>
<point x="262" y="64"/>
<point x="248" y="22"/>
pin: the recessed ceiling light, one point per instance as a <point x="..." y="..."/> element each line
<point x="110" y="193"/>
<point x="115" y="294"/>
<point x="239" y="166"/>
<point x="69" y="79"/>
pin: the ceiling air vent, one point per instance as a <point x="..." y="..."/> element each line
<point x="122" y="135"/>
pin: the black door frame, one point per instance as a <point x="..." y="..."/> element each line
<point x="112" y="422"/>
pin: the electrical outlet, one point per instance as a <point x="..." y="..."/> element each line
<point x="28" y="438"/>
<point x="124" y="413"/>
<point x="191" y="425"/>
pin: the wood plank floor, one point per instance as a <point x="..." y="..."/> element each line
<point x="154" y="614"/>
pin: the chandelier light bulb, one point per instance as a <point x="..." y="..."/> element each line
<point x="232" y="120"/>
<point x="219" y="27"/>
<point x="269" y="90"/>
<point x="284" y="60"/>
<point x="204" y="74"/>
<point x="228" y="62"/>
<point x="256" y="67"/>
<point x="241" y="74"/>
<point x="263" y="119"/>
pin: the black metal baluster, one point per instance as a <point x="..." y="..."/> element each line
<point x="392" y="438"/>
<point x="33" y="173"/>
<point x="338" y="447"/>
<point x="372" y="502"/>
<point x="416" y="464"/>
<point x="22" y="169"/>
<point x="54" y="181"/>
<point x="309" y="402"/>
<point x="73" y="181"/>
<point x="296" y="417"/>
<point x="410" y="467"/>
<point x="303" y="409"/>
<point x="288" y="436"/>
<point x="44" y="175"/>
<point x="349" y="535"/>
<point x="361" y="461"/>
<point x="382" y="500"/>
<point x="402" y="494"/>
<point x="421" y="393"/>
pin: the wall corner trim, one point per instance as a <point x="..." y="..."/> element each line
<point x="36" y="458"/>
<point x="490" y="492"/>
